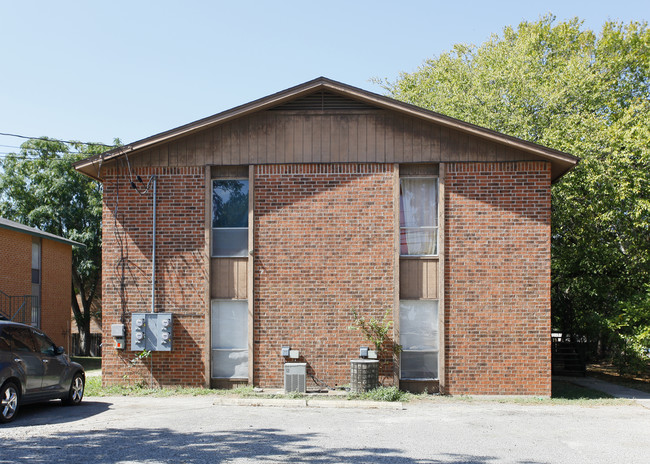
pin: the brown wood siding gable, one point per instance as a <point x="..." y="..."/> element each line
<point x="271" y="137"/>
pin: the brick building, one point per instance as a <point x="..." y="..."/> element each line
<point x="276" y="219"/>
<point x="36" y="279"/>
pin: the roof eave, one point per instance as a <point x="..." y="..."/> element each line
<point x="37" y="233"/>
<point x="343" y="89"/>
<point x="232" y="113"/>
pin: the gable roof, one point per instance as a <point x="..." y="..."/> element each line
<point x="17" y="226"/>
<point x="561" y="162"/>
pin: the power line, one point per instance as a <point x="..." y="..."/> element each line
<point x="23" y="155"/>
<point x="56" y="140"/>
<point x="19" y="157"/>
<point x="34" y="160"/>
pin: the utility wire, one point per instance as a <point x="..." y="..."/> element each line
<point x="33" y="160"/>
<point x="20" y="156"/>
<point x="56" y="140"/>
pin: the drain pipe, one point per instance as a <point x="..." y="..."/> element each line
<point x="153" y="251"/>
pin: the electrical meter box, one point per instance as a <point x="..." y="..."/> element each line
<point x="151" y="331"/>
<point x="117" y="332"/>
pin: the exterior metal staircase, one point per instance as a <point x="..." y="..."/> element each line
<point x="19" y="308"/>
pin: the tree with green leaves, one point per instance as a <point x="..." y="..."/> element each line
<point x="566" y="87"/>
<point x="40" y="188"/>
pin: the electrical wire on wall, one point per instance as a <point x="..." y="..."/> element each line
<point x="152" y="183"/>
<point x="124" y="266"/>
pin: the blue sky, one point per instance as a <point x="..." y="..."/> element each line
<point x="93" y="71"/>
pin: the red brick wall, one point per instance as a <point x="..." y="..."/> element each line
<point x="56" y="276"/>
<point x="323" y="246"/>
<point x="16" y="259"/>
<point x="497" y="278"/>
<point x="181" y="277"/>
<point x="56" y="293"/>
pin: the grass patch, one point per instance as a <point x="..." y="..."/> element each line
<point x="89" y="363"/>
<point x="241" y="390"/>
<point x="381" y="394"/>
<point x="564" y="393"/>
<point x="94" y="388"/>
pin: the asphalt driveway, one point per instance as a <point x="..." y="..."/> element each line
<point x="194" y="430"/>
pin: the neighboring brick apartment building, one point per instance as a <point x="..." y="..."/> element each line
<point x="275" y="219"/>
<point x="36" y="279"/>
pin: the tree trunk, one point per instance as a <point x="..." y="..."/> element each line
<point x="82" y="318"/>
<point x="84" y="337"/>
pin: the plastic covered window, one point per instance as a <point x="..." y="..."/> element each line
<point x="230" y="339"/>
<point x="418" y="333"/>
<point x="418" y="216"/>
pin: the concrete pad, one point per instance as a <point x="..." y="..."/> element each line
<point x="189" y="429"/>
<point x="274" y="402"/>
<point x="617" y="391"/>
<point x="354" y="404"/>
<point x="312" y="403"/>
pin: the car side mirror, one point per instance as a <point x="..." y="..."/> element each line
<point x="60" y="350"/>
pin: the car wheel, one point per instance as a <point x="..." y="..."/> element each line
<point x="76" y="392"/>
<point x="8" y="402"/>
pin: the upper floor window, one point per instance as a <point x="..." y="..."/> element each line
<point x="229" y="217"/>
<point x="418" y="216"/>
<point x="36" y="260"/>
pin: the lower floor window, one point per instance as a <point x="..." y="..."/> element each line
<point x="230" y="339"/>
<point x="418" y="335"/>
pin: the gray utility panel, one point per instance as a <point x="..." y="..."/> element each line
<point x="151" y="331"/>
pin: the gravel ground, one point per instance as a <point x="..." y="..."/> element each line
<point x="194" y="430"/>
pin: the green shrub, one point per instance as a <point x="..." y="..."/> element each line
<point x="630" y="335"/>
<point x="630" y="356"/>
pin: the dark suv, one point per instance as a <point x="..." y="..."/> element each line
<point x="33" y="369"/>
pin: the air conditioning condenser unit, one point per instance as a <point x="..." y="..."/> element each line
<point x="295" y="377"/>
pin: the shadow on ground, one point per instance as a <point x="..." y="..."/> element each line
<point x="162" y="445"/>
<point x="564" y="389"/>
<point x="53" y="412"/>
